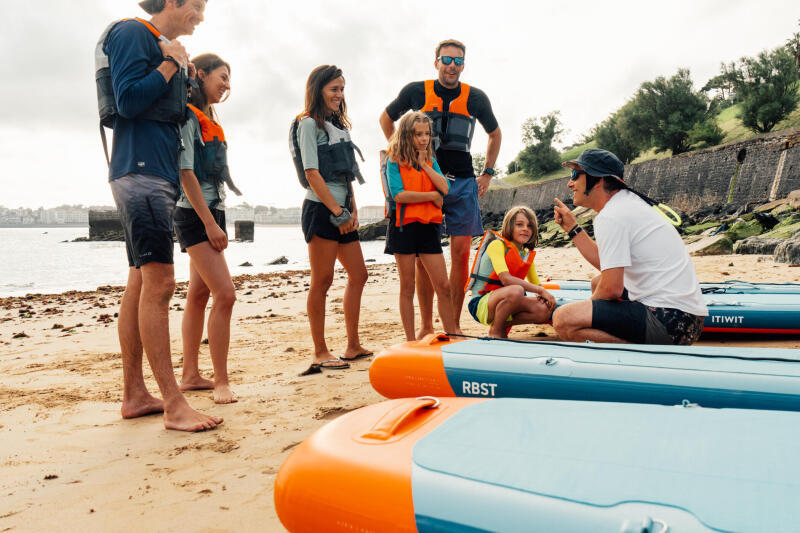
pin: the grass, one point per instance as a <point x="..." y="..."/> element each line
<point x="728" y="121"/>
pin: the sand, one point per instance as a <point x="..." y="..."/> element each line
<point x="69" y="461"/>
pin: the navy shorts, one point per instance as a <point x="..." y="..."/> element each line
<point x="462" y="213"/>
<point x="145" y="205"/>
<point x="642" y="324"/>
<point x="315" y="220"/>
<point x="189" y="228"/>
<point x="416" y="238"/>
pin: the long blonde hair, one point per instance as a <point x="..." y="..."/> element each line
<point x="401" y="144"/>
<point x="508" y="225"/>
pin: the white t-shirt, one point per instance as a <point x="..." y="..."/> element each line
<point x="658" y="269"/>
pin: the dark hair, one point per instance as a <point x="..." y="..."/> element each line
<point x="450" y="42"/>
<point x="152" y="7"/>
<point x="207" y="63"/>
<point x="611" y="184"/>
<point x="315" y="103"/>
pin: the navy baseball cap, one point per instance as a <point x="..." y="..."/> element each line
<point x="598" y="163"/>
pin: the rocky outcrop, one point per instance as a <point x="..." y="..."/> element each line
<point x="789" y="251"/>
<point x="756" y="246"/>
<point x="374" y="231"/>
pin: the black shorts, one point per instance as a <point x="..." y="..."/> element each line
<point x="316" y="221"/>
<point x="642" y="324"/>
<point x="416" y="238"/>
<point x="145" y="205"/>
<point x="190" y="230"/>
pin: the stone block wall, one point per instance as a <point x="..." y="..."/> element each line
<point x="758" y="169"/>
<point x="105" y="226"/>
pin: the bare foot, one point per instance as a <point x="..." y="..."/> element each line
<point x="224" y="394"/>
<point x="422" y="332"/>
<point x="498" y="335"/>
<point x="145" y="405"/>
<point x="183" y="418"/>
<point x="359" y="352"/>
<point x="196" y="383"/>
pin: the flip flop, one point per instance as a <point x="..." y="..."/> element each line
<point x="316" y="368"/>
<point x="362" y="355"/>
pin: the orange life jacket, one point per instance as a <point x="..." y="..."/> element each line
<point x="460" y="124"/>
<point x="516" y="266"/>
<point x="425" y="212"/>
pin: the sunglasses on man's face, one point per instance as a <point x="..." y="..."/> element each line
<point x="446" y="60"/>
<point x="576" y="174"/>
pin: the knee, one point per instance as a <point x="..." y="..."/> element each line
<point x="559" y="322"/>
<point x="595" y="281"/>
<point x="358" y="278"/>
<point x="225" y="298"/>
<point x="160" y="289"/>
<point x="407" y="291"/>
<point x="322" y="283"/>
<point x="197" y="295"/>
<point x="442" y="288"/>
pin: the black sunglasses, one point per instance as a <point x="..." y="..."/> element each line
<point x="576" y="174"/>
<point x="446" y="60"/>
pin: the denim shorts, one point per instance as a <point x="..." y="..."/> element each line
<point x="145" y="204"/>
<point x="462" y="213"/>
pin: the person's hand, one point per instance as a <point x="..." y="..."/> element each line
<point x="563" y="216"/>
<point x="483" y="184"/>
<point x="438" y="199"/>
<point x="548" y="299"/>
<point x="422" y="158"/>
<point x="350" y="225"/>
<point x="192" y="74"/>
<point x="176" y="50"/>
<point x="216" y="237"/>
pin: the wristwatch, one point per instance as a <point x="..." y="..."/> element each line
<point x="172" y="60"/>
<point x="574" y="231"/>
<point x="488" y="170"/>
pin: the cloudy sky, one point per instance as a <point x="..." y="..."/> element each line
<point x="584" y="58"/>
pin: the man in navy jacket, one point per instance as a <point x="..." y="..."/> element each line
<point x="144" y="181"/>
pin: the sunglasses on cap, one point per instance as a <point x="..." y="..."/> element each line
<point x="446" y="60"/>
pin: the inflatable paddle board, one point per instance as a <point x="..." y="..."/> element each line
<point x="731" y="312"/>
<point x="749" y="378"/>
<point x="726" y="287"/>
<point x="516" y="465"/>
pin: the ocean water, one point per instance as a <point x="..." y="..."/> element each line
<point x="36" y="260"/>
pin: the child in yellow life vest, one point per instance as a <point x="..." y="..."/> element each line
<point x="505" y="272"/>
<point x="417" y="187"/>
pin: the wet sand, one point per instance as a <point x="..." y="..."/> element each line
<point x="69" y="461"/>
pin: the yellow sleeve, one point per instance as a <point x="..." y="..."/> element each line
<point x="497" y="254"/>
<point x="532" y="277"/>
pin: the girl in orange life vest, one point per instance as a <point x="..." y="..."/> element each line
<point x="501" y="302"/>
<point x="200" y="227"/>
<point x="418" y="188"/>
<point x="329" y="219"/>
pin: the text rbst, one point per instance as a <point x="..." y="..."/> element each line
<point x="476" y="388"/>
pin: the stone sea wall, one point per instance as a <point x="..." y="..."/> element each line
<point x="759" y="169"/>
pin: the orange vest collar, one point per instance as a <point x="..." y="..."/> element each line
<point x="210" y="130"/>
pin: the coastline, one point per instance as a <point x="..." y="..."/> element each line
<point x="70" y="460"/>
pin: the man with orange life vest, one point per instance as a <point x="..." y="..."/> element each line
<point x="144" y="60"/>
<point x="454" y="108"/>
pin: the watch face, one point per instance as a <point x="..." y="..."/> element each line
<point x="489" y="171"/>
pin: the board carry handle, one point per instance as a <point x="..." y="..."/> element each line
<point x="387" y="425"/>
<point x="648" y="525"/>
<point x="432" y="338"/>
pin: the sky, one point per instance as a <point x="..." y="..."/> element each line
<point x="582" y="58"/>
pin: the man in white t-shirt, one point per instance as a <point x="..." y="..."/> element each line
<point x="647" y="291"/>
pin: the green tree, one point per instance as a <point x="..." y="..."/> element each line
<point x="538" y="134"/>
<point x="664" y="111"/>
<point x="615" y="135"/>
<point x="478" y="162"/>
<point x="793" y="47"/>
<point x="767" y="88"/>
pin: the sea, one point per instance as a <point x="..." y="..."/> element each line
<point x="44" y="260"/>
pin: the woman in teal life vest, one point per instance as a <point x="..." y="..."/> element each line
<point x="324" y="158"/>
<point x="200" y="227"/>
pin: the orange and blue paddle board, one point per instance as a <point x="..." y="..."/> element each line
<point x="522" y="465"/>
<point x="740" y="377"/>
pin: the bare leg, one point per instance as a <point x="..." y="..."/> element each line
<point x="322" y="257"/>
<point x="459" y="272"/>
<point x="437" y="273"/>
<point x="503" y="303"/>
<point x="136" y="400"/>
<point x="213" y="271"/>
<point x="406" y="265"/>
<point x="573" y="322"/>
<point x="352" y="259"/>
<point x="158" y="284"/>
<point x="194" y="317"/>
<point x="425" y="300"/>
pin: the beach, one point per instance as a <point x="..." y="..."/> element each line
<point x="70" y="462"/>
